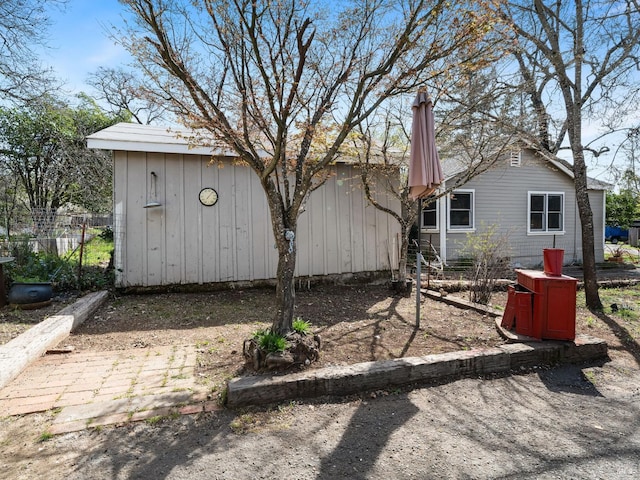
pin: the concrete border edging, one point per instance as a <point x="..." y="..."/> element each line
<point x="345" y="380"/>
<point x="17" y="354"/>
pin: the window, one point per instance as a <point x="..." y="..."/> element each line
<point x="546" y="212"/>
<point x="461" y="210"/>
<point x="430" y="215"/>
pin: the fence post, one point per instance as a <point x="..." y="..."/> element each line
<point x="84" y="226"/>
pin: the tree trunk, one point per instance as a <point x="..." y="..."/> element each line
<point x="404" y="248"/>
<point x="285" y="287"/>
<point x="588" y="243"/>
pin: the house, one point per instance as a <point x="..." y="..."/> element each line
<point x="178" y="219"/>
<point x="529" y="197"/>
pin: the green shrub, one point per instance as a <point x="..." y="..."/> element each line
<point x="300" y="326"/>
<point x="20" y="250"/>
<point x="106" y="234"/>
<point x="270" y="342"/>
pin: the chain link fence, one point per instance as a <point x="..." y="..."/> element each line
<point x="45" y="231"/>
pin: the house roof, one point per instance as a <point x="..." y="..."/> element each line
<point x="452" y="167"/>
<point x="567" y="168"/>
<point x="134" y="137"/>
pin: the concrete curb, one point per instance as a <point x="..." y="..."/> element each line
<point x="17" y="354"/>
<point x="264" y="389"/>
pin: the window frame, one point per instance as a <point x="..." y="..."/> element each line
<point x="546" y="213"/>
<point x="435" y="228"/>
<point x="472" y="212"/>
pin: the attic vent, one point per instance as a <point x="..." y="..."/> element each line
<point x="515" y="158"/>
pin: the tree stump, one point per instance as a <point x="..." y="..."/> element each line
<point x="301" y="351"/>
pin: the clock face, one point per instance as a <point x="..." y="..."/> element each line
<point x="208" y="196"/>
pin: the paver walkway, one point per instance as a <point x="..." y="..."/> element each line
<point x="101" y="388"/>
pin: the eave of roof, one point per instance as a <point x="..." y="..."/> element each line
<point x="567" y="168"/>
<point x="134" y="137"/>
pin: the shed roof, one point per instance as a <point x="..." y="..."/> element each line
<point x="134" y="137"/>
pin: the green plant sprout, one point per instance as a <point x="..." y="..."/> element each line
<point x="270" y="342"/>
<point x="301" y="326"/>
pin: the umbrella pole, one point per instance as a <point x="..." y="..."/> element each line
<point x="418" y="264"/>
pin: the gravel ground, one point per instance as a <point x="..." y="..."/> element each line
<point x="542" y="424"/>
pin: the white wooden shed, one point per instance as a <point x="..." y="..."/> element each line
<point x="165" y="236"/>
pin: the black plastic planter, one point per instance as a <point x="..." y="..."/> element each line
<point x="30" y="294"/>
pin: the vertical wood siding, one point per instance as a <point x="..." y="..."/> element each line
<point x="183" y="242"/>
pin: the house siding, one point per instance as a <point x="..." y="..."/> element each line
<point x="501" y="198"/>
<point x="183" y="242"/>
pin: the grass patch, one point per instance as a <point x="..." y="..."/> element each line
<point x="244" y="423"/>
<point x="251" y="421"/>
<point x="45" y="437"/>
<point x="96" y="252"/>
<point x="154" y="420"/>
<point x="620" y="302"/>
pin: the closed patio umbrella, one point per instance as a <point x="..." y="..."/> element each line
<point x="425" y="171"/>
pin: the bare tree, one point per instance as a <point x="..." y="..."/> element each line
<point x="576" y="59"/>
<point x="472" y="134"/>
<point x="628" y="177"/>
<point x="284" y="83"/>
<point x="122" y="90"/>
<point x="23" y="26"/>
<point x="383" y="158"/>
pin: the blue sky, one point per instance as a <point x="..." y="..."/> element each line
<point x="79" y="43"/>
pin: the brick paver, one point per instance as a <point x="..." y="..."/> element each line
<point x="102" y="388"/>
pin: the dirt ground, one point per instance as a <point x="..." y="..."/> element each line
<point x="355" y="324"/>
<point x="14" y="321"/>
<point x="368" y="436"/>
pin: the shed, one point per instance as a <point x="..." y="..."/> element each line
<point x="164" y="235"/>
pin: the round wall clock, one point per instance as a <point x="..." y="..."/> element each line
<point x="208" y="196"/>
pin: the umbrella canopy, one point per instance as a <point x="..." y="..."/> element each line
<point x="425" y="172"/>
